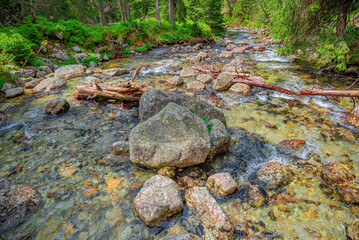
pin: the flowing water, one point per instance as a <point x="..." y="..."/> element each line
<point x="87" y="193"/>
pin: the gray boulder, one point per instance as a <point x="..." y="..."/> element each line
<point x="57" y="106"/>
<point x="13" y="92"/>
<point x="223" y="82"/>
<point x="158" y="199"/>
<point x="69" y="71"/>
<point x="173" y="137"/>
<point x="220" y="137"/>
<point x="41" y="74"/>
<point x="76" y="49"/>
<point x="81" y="55"/>
<point x="92" y="65"/>
<point x="48" y="63"/>
<point x="49" y="81"/>
<point x="46" y="69"/>
<point x="31" y="84"/>
<point x="153" y="100"/>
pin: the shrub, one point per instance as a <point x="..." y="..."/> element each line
<point x="15" y="48"/>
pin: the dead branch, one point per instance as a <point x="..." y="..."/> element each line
<point x="275" y="88"/>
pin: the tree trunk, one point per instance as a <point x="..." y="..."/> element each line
<point x="128" y="10"/>
<point x="171" y="11"/>
<point x="101" y="12"/>
<point x="230" y="12"/>
<point x="342" y="17"/>
<point x="158" y="13"/>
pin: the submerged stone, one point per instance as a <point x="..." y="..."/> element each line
<point x="173" y="137"/>
<point x="57" y="106"/>
<point x="354" y="117"/>
<point x="205" y="207"/>
<point x="293" y="144"/>
<point x="254" y="195"/>
<point x="274" y="175"/>
<point x="158" y="200"/>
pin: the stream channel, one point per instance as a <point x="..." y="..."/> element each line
<point x="62" y="156"/>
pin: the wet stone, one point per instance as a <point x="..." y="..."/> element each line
<point x="353" y="230"/>
<point x="215" y="222"/>
<point x="195" y="86"/>
<point x="241" y="89"/>
<point x="8" y="106"/>
<point x="230" y="47"/>
<point x="254" y="195"/>
<point x="221" y="184"/>
<point x="274" y="175"/>
<point x="257" y="79"/>
<point x="51" y="81"/>
<point x="349" y="192"/>
<point x="120" y="148"/>
<point x="158" y="200"/>
<point x="205" y="78"/>
<point x="13" y="92"/>
<point x="226" y="54"/>
<point x="223" y="82"/>
<point x="57" y="106"/>
<point x="335" y="174"/>
<point x="354" y="117"/>
<point x="293" y="144"/>
<point x="69" y="71"/>
<point x="175" y="81"/>
<point x="173" y="137"/>
<point x="189" y="72"/>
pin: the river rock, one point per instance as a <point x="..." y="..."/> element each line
<point x="13" y="92"/>
<point x="17" y="202"/>
<point x="254" y="195"/>
<point x="353" y="230"/>
<point x="202" y="55"/>
<point x="40" y="74"/>
<point x="354" y="117"/>
<point x="235" y="65"/>
<point x="230" y="47"/>
<point x="216" y="224"/>
<point x="48" y="63"/>
<point x="57" y="106"/>
<point x="153" y="100"/>
<point x="76" y="49"/>
<point x="220" y="137"/>
<point x="205" y="78"/>
<point x="173" y="137"/>
<point x="6" y="87"/>
<point x="349" y="192"/>
<point x="21" y="81"/>
<point x="335" y="174"/>
<point x="48" y="82"/>
<point x="91" y="79"/>
<point x="31" y="84"/>
<point x="223" y="82"/>
<point x="182" y="237"/>
<point x="241" y="88"/>
<point x="274" y="175"/>
<point x="81" y="55"/>
<point x="120" y="148"/>
<point x="195" y="86"/>
<point x="175" y="81"/>
<point x="241" y="49"/>
<point x="116" y="72"/>
<point x="105" y="58"/>
<point x="46" y="69"/>
<point x="292" y="144"/>
<point x="92" y="64"/>
<point x="188" y="72"/>
<point x="226" y="54"/>
<point x="69" y="71"/>
<point x="221" y="184"/>
<point x="158" y="199"/>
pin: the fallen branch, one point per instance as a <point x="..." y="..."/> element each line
<point x="332" y="93"/>
<point x="130" y="92"/>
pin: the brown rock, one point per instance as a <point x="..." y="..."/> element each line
<point x="293" y="144"/>
<point x="188" y="72"/>
<point x="274" y="175"/>
<point x="182" y="237"/>
<point x="353" y="230"/>
<point x="57" y="106"/>
<point x="90" y="192"/>
<point x="226" y="54"/>
<point x="221" y="184"/>
<point x="223" y="82"/>
<point x="158" y="199"/>
<point x="257" y="79"/>
<point x="195" y="86"/>
<point x="230" y="47"/>
<point x="175" y="81"/>
<point x="349" y="192"/>
<point x="335" y="174"/>
<point x="354" y="117"/>
<point x="241" y="89"/>
<point x="205" y="78"/>
<point x="216" y="224"/>
<point x="254" y="195"/>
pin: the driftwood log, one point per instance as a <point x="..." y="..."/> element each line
<point x="332" y="93"/>
<point x="130" y="92"/>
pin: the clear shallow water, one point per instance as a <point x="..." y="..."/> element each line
<point x="65" y="157"/>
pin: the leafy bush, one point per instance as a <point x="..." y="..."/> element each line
<point x="15" y="48"/>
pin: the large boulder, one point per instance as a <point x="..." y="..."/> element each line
<point x="215" y="222"/>
<point x="17" y="202"/>
<point x="223" y="82"/>
<point x="51" y="81"/>
<point x="57" y="106"/>
<point x="173" y="137"/>
<point x="220" y="137"/>
<point x="153" y="100"/>
<point x="188" y="72"/>
<point x="69" y="71"/>
<point x="158" y="199"/>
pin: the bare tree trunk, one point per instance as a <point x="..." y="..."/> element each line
<point x="128" y="10"/>
<point x="101" y="12"/>
<point x="230" y="12"/>
<point x="158" y="13"/>
<point x="171" y="11"/>
<point x="342" y="17"/>
<point x="123" y="10"/>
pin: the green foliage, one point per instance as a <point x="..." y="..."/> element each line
<point x="15" y="48"/>
<point x="85" y="61"/>
<point x="208" y="123"/>
<point x="5" y="76"/>
<point x="336" y="52"/>
<point x="126" y="51"/>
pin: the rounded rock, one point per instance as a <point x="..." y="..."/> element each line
<point x="57" y="106"/>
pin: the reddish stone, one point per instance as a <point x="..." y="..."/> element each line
<point x="335" y="174"/>
<point x="293" y="144"/>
